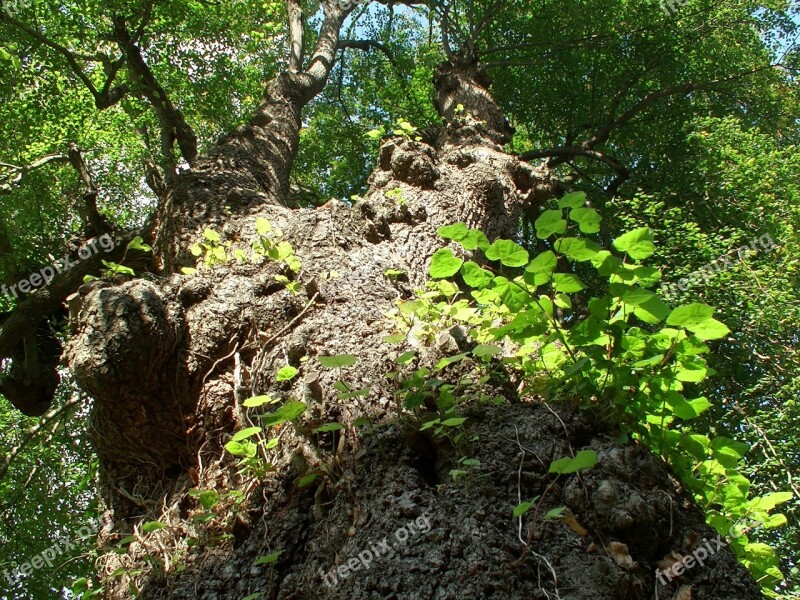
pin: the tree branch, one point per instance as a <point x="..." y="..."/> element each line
<point x="567" y="152"/>
<point x="16" y="174"/>
<point x="367" y="45"/>
<point x="602" y="134"/>
<point x="91" y="217"/>
<point x="561" y="154"/>
<point x="295" y="35"/>
<point x="45" y="421"/>
<point x="103" y="99"/>
<point x="321" y="63"/>
<point x="46" y="300"/>
<point x="173" y="125"/>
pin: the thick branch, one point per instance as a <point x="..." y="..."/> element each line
<point x="44" y="301"/>
<point x="173" y="125"/>
<point x="295" y="35"/>
<point x="321" y="63"/>
<point x="564" y="153"/>
<point x="89" y="214"/>
<point x="613" y="122"/>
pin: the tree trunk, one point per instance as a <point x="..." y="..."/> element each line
<point x="168" y="361"/>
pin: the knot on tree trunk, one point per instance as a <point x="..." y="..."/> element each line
<point x="125" y="354"/>
<point x="410" y="162"/>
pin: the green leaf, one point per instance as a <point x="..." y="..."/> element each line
<point x="258" y="401"/>
<point x="583" y="460"/>
<point x="137" y="243"/>
<point x="263" y="227"/>
<point x="588" y="219"/>
<point x="444" y="264"/>
<point x="513" y="295"/>
<point x="241" y="449"/>
<point x="286" y="373"/>
<point x="523" y="507"/>
<point x="211" y="235"/>
<point x="360" y="393"/>
<point x="208" y="499"/>
<point x="578" y="249"/>
<point x="118" y="269"/>
<point x="507" y="252"/>
<point x="268" y="559"/>
<point x="454" y="422"/>
<point x="696" y="317"/>
<point x="729" y="447"/>
<point x="395" y="338"/>
<point x="767" y="502"/>
<point x="245" y="433"/>
<point x="475" y="239"/>
<point x="649" y="306"/>
<point x="548" y="223"/>
<point x="486" y="350"/>
<point x="470" y="239"/>
<point x="328" y="427"/>
<point x="555" y="513"/>
<point x="449" y="360"/>
<point x="572" y="200"/>
<point x="693" y="371"/>
<point x="337" y="361"/>
<point x="541" y="268"/>
<point x="455" y="232"/>
<point x="567" y="283"/>
<point x="687" y="409"/>
<point x="405" y="357"/>
<point x="151" y="526"/>
<point x="474" y="276"/>
<point x="690" y="315"/>
<point x="306" y="480"/>
<point x="606" y="263"/>
<point x="638" y="244"/>
<point x="288" y="412"/>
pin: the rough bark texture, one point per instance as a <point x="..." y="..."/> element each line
<point x="169" y="360"/>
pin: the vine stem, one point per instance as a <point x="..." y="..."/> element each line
<point x="558" y="329"/>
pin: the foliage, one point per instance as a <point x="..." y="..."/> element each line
<point x="617" y="348"/>
<point x="269" y="245"/>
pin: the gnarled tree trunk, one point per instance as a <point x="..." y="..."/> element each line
<point x="168" y="361"/>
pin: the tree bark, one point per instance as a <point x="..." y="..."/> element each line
<point x="168" y="362"/>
